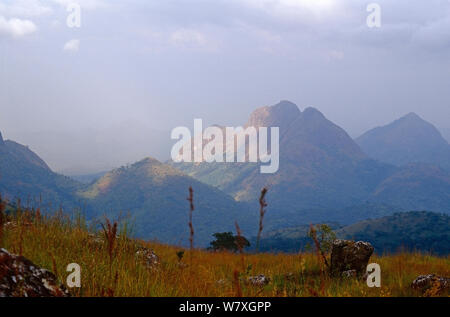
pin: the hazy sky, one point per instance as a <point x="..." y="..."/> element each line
<point x="163" y="63"/>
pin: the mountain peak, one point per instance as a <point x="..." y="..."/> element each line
<point x="409" y="139"/>
<point x="285" y="105"/>
<point x="413" y="121"/>
<point x="149" y="160"/>
<point x="312" y="112"/>
<point x="281" y="114"/>
<point x="411" y="117"/>
<point x="154" y="168"/>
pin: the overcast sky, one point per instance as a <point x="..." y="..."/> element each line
<point x="163" y="63"/>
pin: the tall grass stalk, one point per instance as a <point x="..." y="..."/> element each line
<point x="262" y="212"/>
<point x="110" y="232"/>
<point x="191" y="210"/>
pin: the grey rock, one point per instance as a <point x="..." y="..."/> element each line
<point x="19" y="277"/>
<point x="425" y="282"/>
<point x="349" y="255"/>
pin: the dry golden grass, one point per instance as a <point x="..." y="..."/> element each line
<point x="55" y="242"/>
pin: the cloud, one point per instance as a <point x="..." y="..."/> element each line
<point x="294" y="9"/>
<point x="24" y="8"/>
<point x="72" y="45"/>
<point x="16" y="27"/>
<point x="36" y="8"/>
<point x="84" y="4"/>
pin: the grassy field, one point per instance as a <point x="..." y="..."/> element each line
<point x="110" y="266"/>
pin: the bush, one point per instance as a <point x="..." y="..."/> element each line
<point x="227" y="241"/>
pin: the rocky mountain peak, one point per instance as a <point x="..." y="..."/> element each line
<point x="281" y="114"/>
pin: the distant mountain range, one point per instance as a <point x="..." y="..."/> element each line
<point x="321" y="167"/>
<point x="412" y="231"/>
<point x="324" y="176"/>
<point x="409" y="139"/>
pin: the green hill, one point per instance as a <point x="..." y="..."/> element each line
<point x="24" y="175"/>
<point x="344" y="216"/>
<point x="155" y="196"/>
<point x="415" y="230"/>
<point x="412" y="231"/>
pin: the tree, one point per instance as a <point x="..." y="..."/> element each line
<point x="227" y="241"/>
<point x="323" y="237"/>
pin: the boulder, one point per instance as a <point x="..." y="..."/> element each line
<point x="348" y="256"/>
<point x="431" y="281"/>
<point x="19" y="277"/>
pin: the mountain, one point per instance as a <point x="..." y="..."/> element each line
<point x="322" y="170"/>
<point x="320" y="165"/>
<point x="154" y="195"/>
<point x="409" y="139"/>
<point x="413" y="231"/>
<point x="23" y="174"/>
